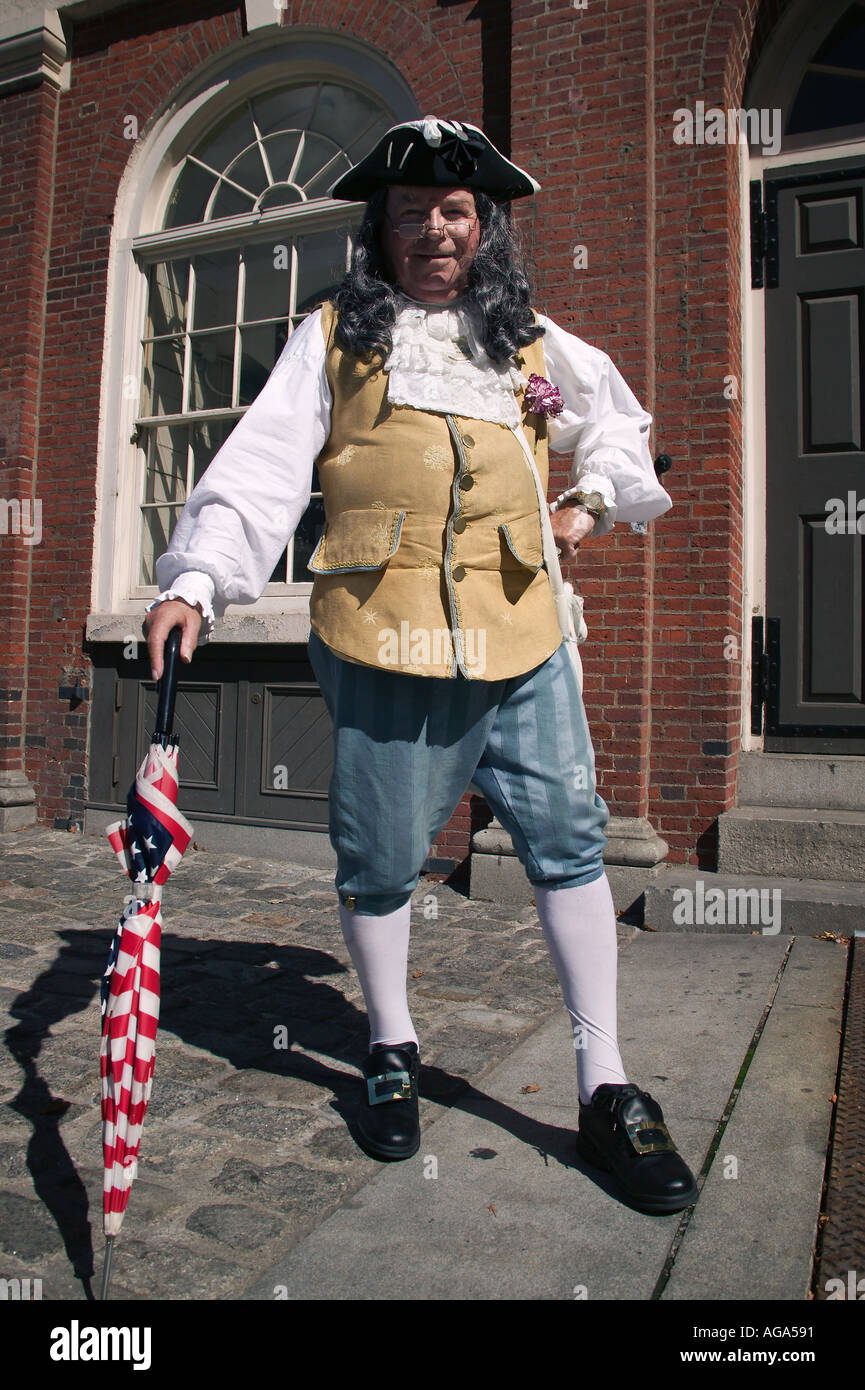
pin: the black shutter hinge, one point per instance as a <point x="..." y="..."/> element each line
<point x="758" y="235"/>
<point x="764" y="236"/>
<point x="759" y="675"/>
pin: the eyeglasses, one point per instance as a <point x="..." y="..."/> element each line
<point x="458" y="227"/>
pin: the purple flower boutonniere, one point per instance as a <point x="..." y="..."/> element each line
<point x="542" y="397"/>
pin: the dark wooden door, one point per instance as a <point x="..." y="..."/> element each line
<point x="256" y="745"/>
<point x="815" y="458"/>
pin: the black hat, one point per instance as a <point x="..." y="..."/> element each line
<point x="449" y="154"/>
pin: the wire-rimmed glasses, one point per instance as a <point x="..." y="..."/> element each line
<point x="411" y="231"/>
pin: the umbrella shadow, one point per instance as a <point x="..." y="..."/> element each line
<point x="258" y="1006"/>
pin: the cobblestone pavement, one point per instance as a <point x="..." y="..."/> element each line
<point x="247" y="1142"/>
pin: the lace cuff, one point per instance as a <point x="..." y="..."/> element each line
<point x="197" y="589"/>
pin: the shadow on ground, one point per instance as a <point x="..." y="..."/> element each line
<point x="249" y="1004"/>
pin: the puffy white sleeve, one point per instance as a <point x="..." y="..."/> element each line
<point x="246" y="506"/>
<point x="605" y="426"/>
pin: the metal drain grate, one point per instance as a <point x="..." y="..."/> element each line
<point x="842" y="1254"/>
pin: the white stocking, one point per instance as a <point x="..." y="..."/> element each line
<point x="580" y="927"/>
<point x="378" y="947"/>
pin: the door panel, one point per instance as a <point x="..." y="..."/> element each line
<point x="289" y="727"/>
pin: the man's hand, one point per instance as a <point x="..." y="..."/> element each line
<point x="570" y="526"/>
<point x="172" y="612"/>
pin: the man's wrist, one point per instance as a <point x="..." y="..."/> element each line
<point x="591" y="502"/>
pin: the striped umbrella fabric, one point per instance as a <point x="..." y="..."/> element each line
<point x="149" y="844"/>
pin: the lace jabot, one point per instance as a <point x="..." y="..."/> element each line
<point x="437" y="363"/>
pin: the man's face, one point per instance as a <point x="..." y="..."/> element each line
<point x="434" y="266"/>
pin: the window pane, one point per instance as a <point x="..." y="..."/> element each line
<point x="342" y="114"/>
<point x="320" y="186"/>
<point x="166" y="466"/>
<point x="365" y="141"/>
<point x="280" y="570"/>
<point x="825" y="101"/>
<point x="157" y="526"/>
<point x="280" y="195"/>
<point x="212" y="365"/>
<point x="230" y="202"/>
<point x="306" y="538"/>
<point x="281" y="150"/>
<point x="321" y="259"/>
<point x="162" y="392"/>
<point x="249" y="171"/>
<point x="215" y="289"/>
<point x="166" y="309"/>
<point x="260" y="348"/>
<point x="268" y="279"/>
<point x="208" y="437"/>
<point x="316" y="153"/>
<point x="189" y="197"/>
<point x="845" y="45"/>
<point x="285" y="110"/>
<point x="226" y="142"/>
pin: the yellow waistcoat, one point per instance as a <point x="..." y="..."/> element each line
<point x="431" y="560"/>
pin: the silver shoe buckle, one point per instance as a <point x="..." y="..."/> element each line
<point x="380" y="1088"/>
<point x="658" y="1138"/>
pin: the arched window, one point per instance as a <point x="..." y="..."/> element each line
<point x="250" y="245"/>
<point x="812" y="70"/>
<point x="831" y="95"/>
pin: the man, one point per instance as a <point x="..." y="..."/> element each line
<point x="427" y="393"/>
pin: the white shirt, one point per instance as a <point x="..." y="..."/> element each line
<point x="246" y="506"/>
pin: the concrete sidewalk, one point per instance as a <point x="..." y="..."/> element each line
<point x="497" y="1204"/>
<point x="250" y="1182"/>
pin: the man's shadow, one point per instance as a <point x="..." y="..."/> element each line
<point x="250" y="1004"/>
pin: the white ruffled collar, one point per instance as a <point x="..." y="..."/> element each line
<point x="438" y="363"/>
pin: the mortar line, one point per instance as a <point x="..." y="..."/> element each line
<point x="684" y="1222"/>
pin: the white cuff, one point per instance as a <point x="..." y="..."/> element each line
<point x="597" y="482"/>
<point x="197" y="589"/>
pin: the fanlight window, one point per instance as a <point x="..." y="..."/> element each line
<point x="224" y="296"/>
<point x="832" y="92"/>
<point x="280" y="150"/>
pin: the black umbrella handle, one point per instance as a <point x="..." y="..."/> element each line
<point x="168" y="688"/>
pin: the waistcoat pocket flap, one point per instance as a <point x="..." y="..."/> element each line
<point x="357" y="540"/>
<point x="523" y="539"/>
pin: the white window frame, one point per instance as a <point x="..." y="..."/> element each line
<point x="252" y="67"/>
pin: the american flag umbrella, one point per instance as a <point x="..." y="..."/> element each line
<point x="149" y="843"/>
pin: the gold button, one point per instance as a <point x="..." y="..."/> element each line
<point x="350" y="903"/>
<point x="459" y="573"/>
<point x="460" y="525"/>
<point x="467" y="439"/>
<point x="466" y="481"/>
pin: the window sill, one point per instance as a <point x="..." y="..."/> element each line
<point x="234" y="627"/>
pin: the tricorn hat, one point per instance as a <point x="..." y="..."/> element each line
<point x="450" y="154"/>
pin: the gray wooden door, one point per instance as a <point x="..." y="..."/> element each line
<point x="815" y="458"/>
<point x="256" y="744"/>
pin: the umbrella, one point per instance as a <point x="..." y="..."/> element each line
<point x="149" y="843"/>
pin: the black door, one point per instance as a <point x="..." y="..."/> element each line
<point x="815" y="458"/>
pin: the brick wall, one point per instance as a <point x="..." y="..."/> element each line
<point x="584" y="99"/>
<point x="27" y="141"/>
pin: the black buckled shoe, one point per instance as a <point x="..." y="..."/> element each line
<point x="622" y="1131"/>
<point x="388" y="1121"/>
